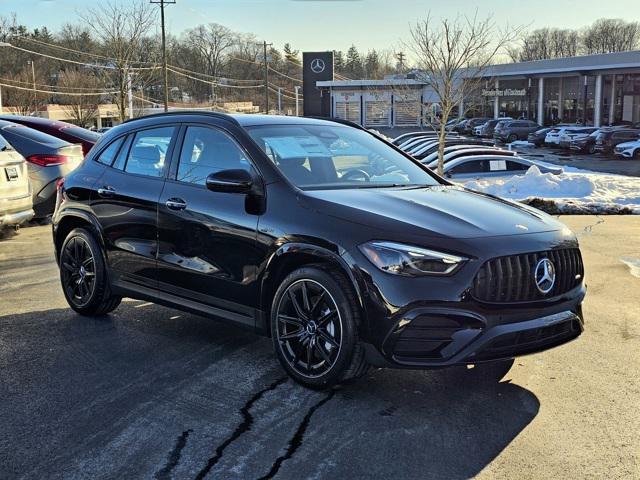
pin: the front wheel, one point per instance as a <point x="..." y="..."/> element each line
<point x="512" y="138"/>
<point x="314" y="327"/>
<point x="83" y="275"/>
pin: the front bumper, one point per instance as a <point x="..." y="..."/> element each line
<point x="434" y="322"/>
<point x="425" y="347"/>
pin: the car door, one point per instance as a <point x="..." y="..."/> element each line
<point x="125" y="202"/>
<point x="208" y="250"/>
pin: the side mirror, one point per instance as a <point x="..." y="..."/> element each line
<point x="230" y="181"/>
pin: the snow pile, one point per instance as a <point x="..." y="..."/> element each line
<point x="380" y="134"/>
<point x="568" y="192"/>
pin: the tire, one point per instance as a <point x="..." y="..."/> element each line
<point x="592" y="149"/>
<point x="83" y="275"/>
<point x="314" y="328"/>
<point x="512" y="138"/>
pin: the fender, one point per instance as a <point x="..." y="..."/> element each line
<point x="317" y="251"/>
<point x="81" y="214"/>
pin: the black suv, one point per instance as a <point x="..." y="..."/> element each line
<point x="608" y="138"/>
<point x="342" y="248"/>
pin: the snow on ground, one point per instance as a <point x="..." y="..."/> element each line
<point x="573" y="191"/>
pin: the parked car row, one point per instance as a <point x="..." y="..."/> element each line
<point x="622" y="141"/>
<point x="34" y="154"/>
<point x="467" y="158"/>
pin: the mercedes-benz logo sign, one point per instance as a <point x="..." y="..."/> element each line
<point x="317" y="65"/>
<point x="545" y="275"/>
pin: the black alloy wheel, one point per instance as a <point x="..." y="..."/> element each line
<point x="83" y="274"/>
<point x="78" y="271"/>
<point x="315" y="318"/>
<point x="309" y="328"/>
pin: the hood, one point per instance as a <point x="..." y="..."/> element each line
<point x="440" y="211"/>
<point x="631" y="144"/>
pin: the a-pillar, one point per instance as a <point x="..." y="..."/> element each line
<point x="541" y="101"/>
<point x="597" y="102"/>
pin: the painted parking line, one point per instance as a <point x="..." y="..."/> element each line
<point x="146" y="304"/>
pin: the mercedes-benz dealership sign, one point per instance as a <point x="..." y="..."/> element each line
<point x="317" y="66"/>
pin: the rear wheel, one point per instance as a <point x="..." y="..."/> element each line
<point x="512" y="138"/>
<point x="314" y="326"/>
<point x="83" y="275"/>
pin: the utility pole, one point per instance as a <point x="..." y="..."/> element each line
<point x="130" y="94"/>
<point x="279" y="101"/>
<point x="266" y="74"/>
<point x="165" y="74"/>
<point x="400" y="56"/>
<point x="297" y="88"/>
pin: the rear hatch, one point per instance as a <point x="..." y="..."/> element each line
<point x="14" y="179"/>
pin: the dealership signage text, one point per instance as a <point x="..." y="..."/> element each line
<point x="504" y="92"/>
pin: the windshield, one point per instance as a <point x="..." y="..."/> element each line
<point x="334" y="156"/>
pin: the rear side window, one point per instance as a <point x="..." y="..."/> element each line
<point x="148" y="152"/>
<point x="516" y="166"/>
<point x="475" y="166"/>
<point x="108" y="155"/>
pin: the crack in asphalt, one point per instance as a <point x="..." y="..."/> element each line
<point x="589" y="228"/>
<point x="298" y="437"/>
<point x="174" y="457"/>
<point x="244" y="426"/>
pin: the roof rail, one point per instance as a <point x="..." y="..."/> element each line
<point x="186" y="112"/>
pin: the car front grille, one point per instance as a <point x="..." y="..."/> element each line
<point x="512" y="278"/>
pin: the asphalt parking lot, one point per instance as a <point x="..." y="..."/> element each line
<point x="149" y="392"/>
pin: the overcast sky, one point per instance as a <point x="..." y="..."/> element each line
<point x="336" y="24"/>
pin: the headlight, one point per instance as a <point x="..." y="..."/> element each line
<point x="410" y="261"/>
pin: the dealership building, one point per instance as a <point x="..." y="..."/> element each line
<point x="593" y="89"/>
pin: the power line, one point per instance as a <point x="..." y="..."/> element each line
<point x="285" y="75"/>
<point x="50" y="92"/>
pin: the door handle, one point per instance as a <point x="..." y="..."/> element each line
<point x="106" y="191"/>
<point x="176" y="204"/>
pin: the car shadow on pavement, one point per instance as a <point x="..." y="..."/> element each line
<point x="149" y="392"/>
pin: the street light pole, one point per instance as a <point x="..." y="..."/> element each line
<point x="165" y="73"/>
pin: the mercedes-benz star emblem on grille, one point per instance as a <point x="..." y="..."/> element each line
<point x="317" y="65"/>
<point x="545" y="275"/>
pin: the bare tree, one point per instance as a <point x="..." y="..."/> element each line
<point x="545" y="43"/>
<point x="82" y="107"/>
<point x="211" y="41"/>
<point x="454" y="55"/>
<point x="608" y="35"/>
<point x="121" y="28"/>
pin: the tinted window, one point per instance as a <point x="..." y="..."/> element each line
<point x="148" y="151"/>
<point x="124" y="152"/>
<point x="475" y="166"/>
<point x="511" y="166"/>
<point x="108" y="155"/>
<point x="206" y="151"/>
<point x="335" y="156"/>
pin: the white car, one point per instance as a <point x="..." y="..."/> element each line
<point x="628" y="149"/>
<point x="491" y="166"/>
<point x="553" y="136"/>
<point x="468" y="152"/>
<point x="570" y="134"/>
<point x="477" y="131"/>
